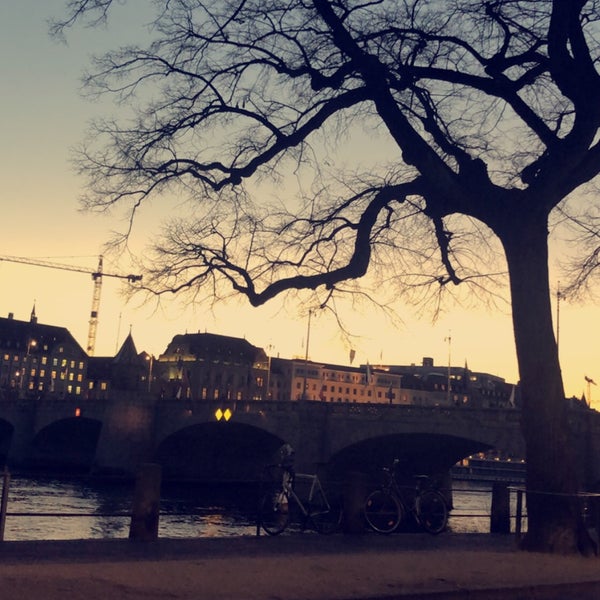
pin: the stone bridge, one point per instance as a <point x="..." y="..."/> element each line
<point x="213" y="440"/>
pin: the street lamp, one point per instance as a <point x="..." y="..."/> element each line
<point x="150" y="360"/>
<point x="306" y="355"/>
<point x="269" y="351"/>
<point x="31" y="343"/>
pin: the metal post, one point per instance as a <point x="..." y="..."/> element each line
<point x="519" y="515"/>
<point x="304" y="394"/>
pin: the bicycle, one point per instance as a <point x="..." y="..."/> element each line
<point x="278" y="502"/>
<point x="388" y="506"/>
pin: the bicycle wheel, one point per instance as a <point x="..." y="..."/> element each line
<point x="432" y="511"/>
<point x="326" y="515"/>
<point x="383" y="511"/>
<point x="274" y="512"/>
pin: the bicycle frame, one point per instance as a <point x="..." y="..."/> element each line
<point x="314" y="506"/>
<point x="387" y="506"/>
<point x="316" y="489"/>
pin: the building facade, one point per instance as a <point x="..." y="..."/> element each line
<point x="298" y="379"/>
<point x="37" y="359"/>
<point x="428" y="384"/>
<point x="207" y="366"/>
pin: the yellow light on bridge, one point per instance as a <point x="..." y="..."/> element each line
<point x="223" y="414"/>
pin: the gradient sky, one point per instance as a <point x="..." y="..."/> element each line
<point x="43" y="115"/>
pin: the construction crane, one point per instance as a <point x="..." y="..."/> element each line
<point x="97" y="278"/>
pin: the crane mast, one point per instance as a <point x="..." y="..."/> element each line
<point x="91" y="341"/>
<point x="97" y="278"/>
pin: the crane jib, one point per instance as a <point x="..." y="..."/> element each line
<point x="97" y="278"/>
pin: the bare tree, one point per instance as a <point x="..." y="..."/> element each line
<point x="489" y="113"/>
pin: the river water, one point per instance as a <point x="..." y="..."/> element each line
<point x="88" y="509"/>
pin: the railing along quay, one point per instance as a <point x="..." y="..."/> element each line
<point x="501" y="511"/>
<point x="32" y="517"/>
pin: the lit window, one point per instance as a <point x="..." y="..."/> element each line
<point x="103" y="385"/>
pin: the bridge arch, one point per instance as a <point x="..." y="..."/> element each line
<point x="216" y="451"/>
<point x="66" y="445"/>
<point x="419" y="452"/>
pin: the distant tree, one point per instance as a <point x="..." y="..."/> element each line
<point x="489" y="113"/>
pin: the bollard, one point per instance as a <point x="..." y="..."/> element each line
<point x="4" y="502"/>
<point x="146" y="504"/>
<point x="500" y="515"/>
<point x="354" y="500"/>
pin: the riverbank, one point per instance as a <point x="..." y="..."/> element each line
<point x="298" y="567"/>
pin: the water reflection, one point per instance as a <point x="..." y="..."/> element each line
<point x="103" y="509"/>
<point x="187" y="510"/>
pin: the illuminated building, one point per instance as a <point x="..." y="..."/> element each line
<point x="37" y="359"/>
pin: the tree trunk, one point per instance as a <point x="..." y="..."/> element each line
<point x="554" y="521"/>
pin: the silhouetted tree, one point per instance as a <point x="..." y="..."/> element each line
<point x="489" y="113"/>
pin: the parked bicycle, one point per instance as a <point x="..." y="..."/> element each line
<point x="281" y="502"/>
<point x="388" y="506"/>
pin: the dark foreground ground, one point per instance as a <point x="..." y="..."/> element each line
<point x="300" y="567"/>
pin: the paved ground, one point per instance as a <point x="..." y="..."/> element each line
<point x="300" y="567"/>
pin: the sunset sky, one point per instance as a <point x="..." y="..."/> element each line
<point x="43" y="116"/>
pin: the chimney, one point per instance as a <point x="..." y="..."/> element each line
<point x="11" y="315"/>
